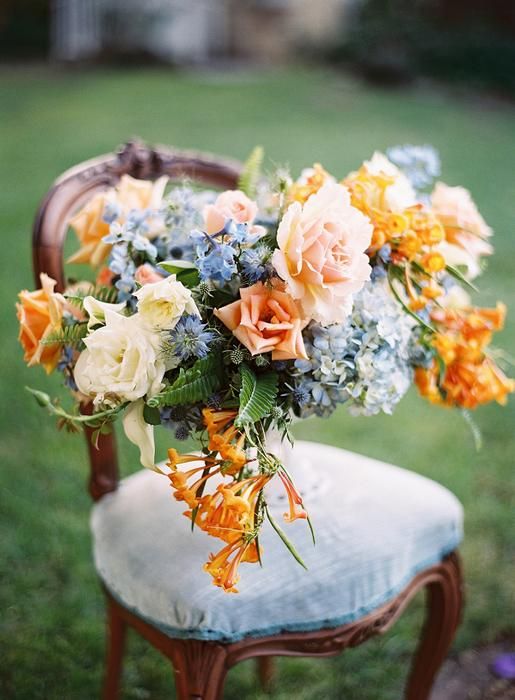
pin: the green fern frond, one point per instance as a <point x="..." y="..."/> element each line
<point x="69" y="335"/>
<point x="192" y="385"/>
<point x="251" y="172"/>
<point x="103" y="293"/>
<point x="257" y="396"/>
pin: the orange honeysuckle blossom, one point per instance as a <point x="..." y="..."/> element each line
<point x="471" y="377"/>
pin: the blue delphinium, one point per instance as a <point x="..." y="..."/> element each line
<point x="182" y="213"/>
<point x="215" y="261"/>
<point x="364" y="361"/>
<point x="420" y="164"/>
<point x="189" y="339"/>
<point x="256" y="263"/>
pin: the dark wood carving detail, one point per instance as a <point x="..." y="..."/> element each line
<point x="200" y="667"/>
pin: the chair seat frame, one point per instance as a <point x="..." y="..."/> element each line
<point x="200" y="667"/>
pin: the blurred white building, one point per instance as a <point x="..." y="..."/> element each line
<point x="193" y="31"/>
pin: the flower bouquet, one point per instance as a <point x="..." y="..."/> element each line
<point x="223" y="316"/>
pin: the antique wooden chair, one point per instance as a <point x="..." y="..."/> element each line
<point x="384" y="533"/>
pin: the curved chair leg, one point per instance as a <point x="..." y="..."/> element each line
<point x="200" y="669"/>
<point x="116" y="632"/>
<point x="266" y="672"/>
<point x="444" y="607"/>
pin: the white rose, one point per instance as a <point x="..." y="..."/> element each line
<point x="96" y="310"/>
<point x="121" y="359"/>
<point x="400" y="194"/>
<point x="161" y="304"/>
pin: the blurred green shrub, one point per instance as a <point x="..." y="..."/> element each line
<point x="392" y="41"/>
<point x="24" y="28"/>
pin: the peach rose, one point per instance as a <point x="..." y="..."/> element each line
<point x="266" y="319"/>
<point x="40" y="314"/>
<point x="465" y="228"/>
<point x="231" y="204"/>
<point x="145" y="274"/>
<point x="90" y="226"/>
<point x="321" y="253"/>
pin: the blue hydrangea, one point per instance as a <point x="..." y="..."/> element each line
<point x="255" y="263"/>
<point x="420" y="164"/>
<point x="189" y="339"/>
<point x="364" y="362"/>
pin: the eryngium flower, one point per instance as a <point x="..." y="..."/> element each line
<point x="189" y="339"/>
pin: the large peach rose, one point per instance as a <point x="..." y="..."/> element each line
<point x="266" y="319"/>
<point x="231" y="204"/>
<point x="321" y="254"/>
<point x="40" y="314"/>
<point x="465" y="229"/>
<point x="90" y="226"/>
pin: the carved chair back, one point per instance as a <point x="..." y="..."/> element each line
<point x="69" y="193"/>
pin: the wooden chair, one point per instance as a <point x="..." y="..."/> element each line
<point x="200" y="665"/>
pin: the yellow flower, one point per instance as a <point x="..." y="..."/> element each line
<point x="309" y="182"/>
<point x="90" y="226"/>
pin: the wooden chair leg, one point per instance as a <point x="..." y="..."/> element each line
<point x="200" y="669"/>
<point x="266" y="672"/>
<point x="443" y="615"/>
<point x="116" y="632"/>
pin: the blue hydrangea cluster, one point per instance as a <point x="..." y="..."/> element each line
<point x="215" y="260"/>
<point x="420" y="164"/>
<point x="364" y="362"/>
<point x="189" y="339"/>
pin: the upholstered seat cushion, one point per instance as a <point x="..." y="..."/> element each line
<point x="376" y="526"/>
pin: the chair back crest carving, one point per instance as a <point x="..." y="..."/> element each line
<point x="69" y="192"/>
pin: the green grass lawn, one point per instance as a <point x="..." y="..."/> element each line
<point x="52" y="609"/>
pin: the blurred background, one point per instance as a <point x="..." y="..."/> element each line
<point x="328" y="81"/>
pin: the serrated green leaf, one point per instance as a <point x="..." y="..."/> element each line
<point x="192" y="385"/>
<point x="257" y="396"/>
<point x="251" y="172"/>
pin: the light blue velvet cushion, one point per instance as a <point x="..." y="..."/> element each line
<point x="376" y="525"/>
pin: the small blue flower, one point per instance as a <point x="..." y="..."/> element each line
<point x="189" y="339"/>
<point x="255" y="263"/>
<point x="218" y="264"/>
<point x="112" y="212"/>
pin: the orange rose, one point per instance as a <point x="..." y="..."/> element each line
<point x="90" y="226"/>
<point x="266" y="320"/>
<point x="40" y="314"/>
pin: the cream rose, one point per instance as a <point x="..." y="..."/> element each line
<point x="122" y="361"/>
<point x="161" y="304"/>
<point x="321" y="254"/>
<point x="465" y="228"/>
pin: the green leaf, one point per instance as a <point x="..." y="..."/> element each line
<point x="185" y="271"/>
<point x="391" y="277"/>
<point x="69" y="335"/>
<point x="251" y="172"/>
<point x="474" y="429"/>
<point x="102" y="292"/>
<point x="192" y="385"/>
<point x="289" y="545"/>
<point x="457" y="274"/>
<point x="257" y="396"/>
<point x="151" y="415"/>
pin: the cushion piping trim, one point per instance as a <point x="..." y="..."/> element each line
<point x="327" y="623"/>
